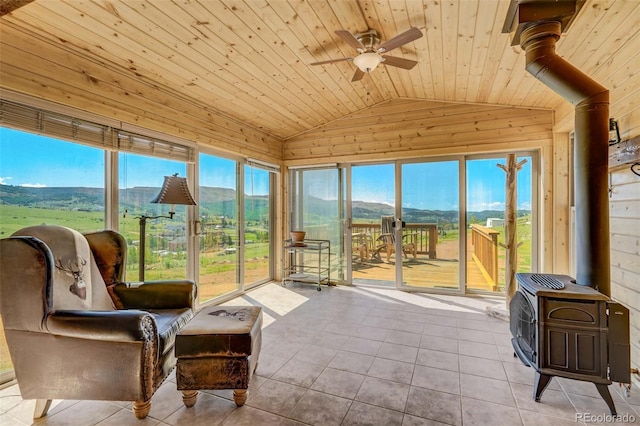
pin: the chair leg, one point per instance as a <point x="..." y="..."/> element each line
<point x="42" y="406"/>
<point x="239" y="397"/>
<point x="141" y="408"/>
<point x="189" y="397"/>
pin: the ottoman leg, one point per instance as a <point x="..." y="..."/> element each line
<point x="240" y="397"/>
<point x="189" y="398"/>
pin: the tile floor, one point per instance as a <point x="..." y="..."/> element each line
<point x="364" y="356"/>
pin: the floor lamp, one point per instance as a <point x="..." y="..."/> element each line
<point x="174" y="191"/>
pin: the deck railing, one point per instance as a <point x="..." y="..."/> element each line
<point x="485" y="251"/>
<point x="426" y="235"/>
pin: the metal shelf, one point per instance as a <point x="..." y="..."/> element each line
<point x="307" y="262"/>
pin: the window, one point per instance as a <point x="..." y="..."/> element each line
<point x="140" y="180"/>
<point x="258" y="202"/>
<point x="48" y="181"/>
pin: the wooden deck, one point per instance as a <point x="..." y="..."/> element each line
<point x="422" y="272"/>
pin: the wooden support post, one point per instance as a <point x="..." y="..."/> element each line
<point x="510" y="231"/>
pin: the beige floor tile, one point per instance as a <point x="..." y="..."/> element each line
<point x="403" y="338"/>
<point x="481" y="413"/>
<point x="398" y="352"/>
<point x="268" y="364"/>
<point x="248" y="416"/>
<point x="438" y="359"/>
<point x="436" y="379"/>
<point x="479" y="323"/>
<point x="475" y="335"/>
<point x="481" y="350"/>
<point x="208" y="410"/>
<point x="331" y="340"/>
<point x="383" y="313"/>
<point x="442" y="344"/>
<point x="7" y="420"/>
<point x="318" y="408"/>
<point x="486" y="389"/>
<point x="362" y="346"/>
<point x="407" y="326"/>
<point x="299" y="373"/>
<point x="338" y="383"/>
<point x="440" y="320"/>
<point x="383" y="393"/>
<point x="532" y="418"/>
<point x="440" y="330"/>
<point x="316" y="354"/>
<point x="81" y="414"/>
<point x="391" y="370"/>
<point x="377" y="322"/>
<point x="482" y="367"/>
<point x="434" y="405"/>
<point x="361" y="414"/>
<point x="597" y="406"/>
<point x="276" y="397"/>
<point x="410" y="420"/>
<point x="372" y="333"/>
<point x="553" y="403"/>
<point x="125" y="417"/>
<point x="351" y="361"/>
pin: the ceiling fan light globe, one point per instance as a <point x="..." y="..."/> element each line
<point x="368" y="61"/>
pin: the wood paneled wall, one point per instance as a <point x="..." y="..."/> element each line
<point x="47" y="71"/>
<point x="407" y="128"/>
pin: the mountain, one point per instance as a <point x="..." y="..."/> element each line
<point x="221" y="202"/>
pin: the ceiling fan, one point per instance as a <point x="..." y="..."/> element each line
<point x="371" y="51"/>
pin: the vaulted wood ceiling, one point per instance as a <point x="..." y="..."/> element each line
<point x="249" y="60"/>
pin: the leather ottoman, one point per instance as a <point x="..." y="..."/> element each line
<point x="218" y="349"/>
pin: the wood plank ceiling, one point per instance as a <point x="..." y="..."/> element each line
<point x="249" y="59"/>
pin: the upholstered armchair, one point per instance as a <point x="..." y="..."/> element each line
<point x="75" y="330"/>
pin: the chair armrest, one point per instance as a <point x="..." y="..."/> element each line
<point x="175" y="294"/>
<point x="115" y="326"/>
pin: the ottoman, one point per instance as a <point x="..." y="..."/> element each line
<point x="218" y="349"/>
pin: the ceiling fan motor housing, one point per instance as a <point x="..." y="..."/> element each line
<point x="369" y="40"/>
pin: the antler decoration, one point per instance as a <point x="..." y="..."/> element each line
<point x="75" y="269"/>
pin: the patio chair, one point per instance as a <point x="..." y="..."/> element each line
<point x="386" y="240"/>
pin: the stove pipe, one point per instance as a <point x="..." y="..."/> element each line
<point x="591" y="152"/>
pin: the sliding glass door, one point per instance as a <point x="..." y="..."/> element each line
<point x="432" y="225"/>
<point x="428" y="237"/>
<point x="317" y="207"/>
<point x="372" y="199"/>
<point x="487" y="196"/>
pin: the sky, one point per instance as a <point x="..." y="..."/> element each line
<point x="26" y="160"/>
<point x="427" y="185"/>
<point x="30" y="160"/>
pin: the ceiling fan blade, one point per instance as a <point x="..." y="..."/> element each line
<point x="330" y="61"/>
<point x="350" y="39"/>
<point x="358" y="75"/>
<point x="408" y="36"/>
<point x="394" y="61"/>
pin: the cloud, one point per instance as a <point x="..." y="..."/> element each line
<point x="34" y="185"/>
<point x="3" y="180"/>
<point x="477" y="207"/>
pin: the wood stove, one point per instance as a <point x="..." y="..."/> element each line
<point x="567" y="330"/>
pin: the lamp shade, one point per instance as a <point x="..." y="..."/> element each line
<point x="174" y="191"/>
<point x="368" y="61"/>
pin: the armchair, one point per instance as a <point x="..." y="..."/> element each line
<point x="75" y="330"/>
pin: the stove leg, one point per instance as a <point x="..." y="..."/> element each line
<point x="541" y="383"/>
<point x="606" y="395"/>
